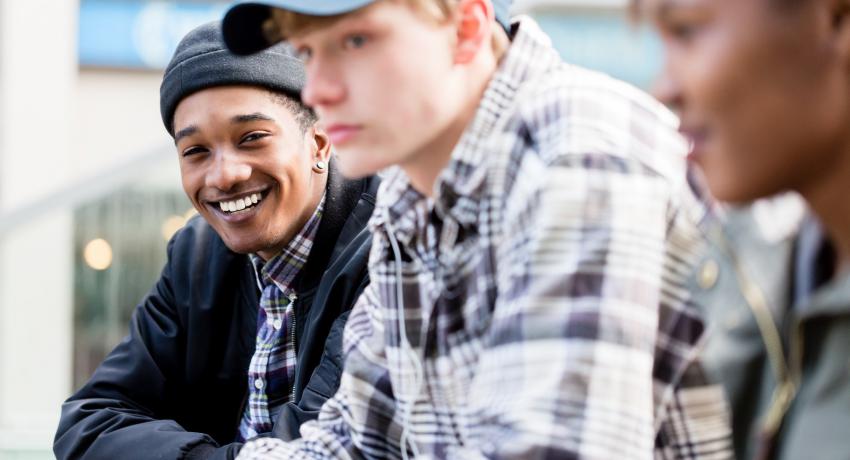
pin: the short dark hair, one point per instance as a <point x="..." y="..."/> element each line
<point x="305" y="116"/>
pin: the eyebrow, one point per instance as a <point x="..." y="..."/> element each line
<point x="655" y="10"/>
<point x="663" y="8"/>
<point x="246" y="118"/>
<point x="187" y="131"/>
<point x="256" y="116"/>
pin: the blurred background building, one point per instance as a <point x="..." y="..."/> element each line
<point x="89" y="183"/>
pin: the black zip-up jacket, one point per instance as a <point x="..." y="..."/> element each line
<point x="177" y="385"/>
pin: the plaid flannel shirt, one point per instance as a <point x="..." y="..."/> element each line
<point x="271" y="373"/>
<point x="544" y="289"/>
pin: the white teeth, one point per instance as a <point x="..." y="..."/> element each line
<point x="241" y="203"/>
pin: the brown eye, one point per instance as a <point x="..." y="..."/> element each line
<point x="683" y="24"/>
<point x="683" y="31"/>
<point x="254" y="136"/>
<point x="193" y="150"/>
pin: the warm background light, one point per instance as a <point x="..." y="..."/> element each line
<point x="189" y="214"/>
<point x="171" y="225"/>
<point x="98" y="254"/>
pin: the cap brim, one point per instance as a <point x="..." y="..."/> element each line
<point x="242" y="26"/>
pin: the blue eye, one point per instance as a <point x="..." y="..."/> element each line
<point x="355" y="41"/>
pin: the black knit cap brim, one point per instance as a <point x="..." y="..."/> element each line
<point x="243" y="24"/>
<point x="203" y="61"/>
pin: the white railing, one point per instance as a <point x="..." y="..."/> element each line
<point x="87" y="188"/>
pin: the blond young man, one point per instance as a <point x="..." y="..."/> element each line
<point x="531" y="242"/>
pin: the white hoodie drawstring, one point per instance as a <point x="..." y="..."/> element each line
<point x="418" y="372"/>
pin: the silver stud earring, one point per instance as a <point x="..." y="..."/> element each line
<point x="321" y="166"/>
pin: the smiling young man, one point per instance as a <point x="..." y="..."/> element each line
<point x="242" y="334"/>
<point x="531" y="245"/>
<point x="763" y="88"/>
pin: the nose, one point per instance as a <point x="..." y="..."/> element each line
<point x="323" y="87"/>
<point x="227" y="170"/>
<point x="666" y="87"/>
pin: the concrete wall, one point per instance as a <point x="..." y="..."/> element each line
<point x="38" y="71"/>
<point x="59" y="125"/>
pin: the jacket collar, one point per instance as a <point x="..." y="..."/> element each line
<point x="832" y="299"/>
<point x="762" y="236"/>
<point x="341" y="197"/>
<point x="814" y="299"/>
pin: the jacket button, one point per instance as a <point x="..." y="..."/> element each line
<point x="732" y="320"/>
<point x="258" y="384"/>
<point x="708" y="274"/>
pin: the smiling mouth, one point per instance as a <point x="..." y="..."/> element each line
<point x="241" y="204"/>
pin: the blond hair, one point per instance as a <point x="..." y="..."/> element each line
<point x="436" y="10"/>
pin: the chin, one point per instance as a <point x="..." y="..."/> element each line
<point x="355" y="168"/>
<point x="739" y="192"/>
<point x="241" y="248"/>
<point x="249" y="244"/>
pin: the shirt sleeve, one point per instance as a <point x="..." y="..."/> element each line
<point x="594" y="328"/>
<point x="568" y="367"/>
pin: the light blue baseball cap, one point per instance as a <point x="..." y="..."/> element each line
<point x="245" y="30"/>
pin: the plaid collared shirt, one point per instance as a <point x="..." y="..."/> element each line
<point x="272" y="368"/>
<point x="543" y="289"/>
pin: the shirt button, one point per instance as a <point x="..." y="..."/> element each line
<point x="278" y="323"/>
<point x="708" y="274"/>
<point x="258" y="384"/>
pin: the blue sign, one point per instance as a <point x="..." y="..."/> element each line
<point x="144" y="34"/>
<point x="607" y="42"/>
<point x="138" y="34"/>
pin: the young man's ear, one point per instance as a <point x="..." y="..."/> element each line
<point x="321" y="144"/>
<point x="474" y="24"/>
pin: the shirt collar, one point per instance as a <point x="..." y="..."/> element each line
<point x="283" y="268"/>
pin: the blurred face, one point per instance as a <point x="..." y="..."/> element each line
<point x="381" y="79"/>
<point x="761" y="90"/>
<point x="247" y="166"/>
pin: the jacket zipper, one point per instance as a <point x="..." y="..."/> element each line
<point x="787" y="375"/>
<point x="292" y="298"/>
